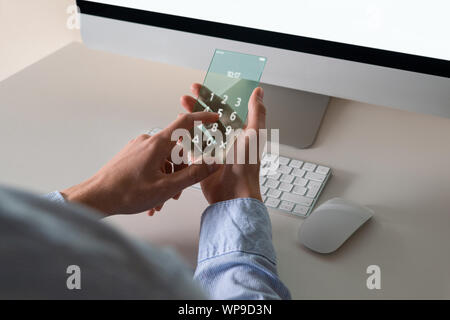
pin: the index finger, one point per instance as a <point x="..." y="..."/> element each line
<point x="187" y="120"/>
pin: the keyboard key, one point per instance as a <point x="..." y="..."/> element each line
<point x="271" y="183"/>
<point x="301" y="210"/>
<point x="272" y="202"/>
<point x="196" y="186"/>
<point x="283" y="160"/>
<point x="263" y="190"/>
<point x="300" y="182"/>
<point x="262" y="180"/>
<point x="285" y="187"/>
<point x="297" y="199"/>
<point x="284" y="169"/>
<point x="322" y="170"/>
<point x="295" y="163"/>
<point x="309" y="166"/>
<point x="298" y="172"/>
<point x="287" y="178"/>
<point x="263" y="198"/>
<point x="269" y="157"/>
<point x="286" y="205"/>
<point x="266" y="164"/>
<point x="263" y="172"/>
<point x="273" y="193"/>
<point x="315" y="176"/>
<point x="300" y="190"/>
<point x="313" y="184"/>
<point x="275" y="176"/>
<point x="312" y="192"/>
<point x="268" y="169"/>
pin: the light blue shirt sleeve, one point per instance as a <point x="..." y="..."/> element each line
<point x="55" y="196"/>
<point x="236" y="258"/>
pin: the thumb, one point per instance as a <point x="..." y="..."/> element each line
<point x="256" y="110"/>
<point x="191" y="175"/>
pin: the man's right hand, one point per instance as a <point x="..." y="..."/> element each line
<point x="233" y="181"/>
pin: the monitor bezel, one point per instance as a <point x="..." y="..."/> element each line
<point x="384" y="58"/>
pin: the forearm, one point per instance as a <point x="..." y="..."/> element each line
<point x="92" y="193"/>
<point x="85" y="193"/>
<point x="236" y="255"/>
<point x="62" y="198"/>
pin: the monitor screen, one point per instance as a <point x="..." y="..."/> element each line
<point x="411" y="27"/>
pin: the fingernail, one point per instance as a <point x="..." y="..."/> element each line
<point x="260" y="93"/>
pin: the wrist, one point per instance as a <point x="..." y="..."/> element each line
<point x="235" y="192"/>
<point x="250" y="189"/>
<point x="255" y="194"/>
<point x="87" y="193"/>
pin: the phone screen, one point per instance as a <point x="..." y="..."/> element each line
<point x="226" y="90"/>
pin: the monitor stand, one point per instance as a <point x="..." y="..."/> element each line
<point x="297" y="114"/>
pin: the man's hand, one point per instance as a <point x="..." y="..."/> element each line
<point x="140" y="177"/>
<point x="234" y="180"/>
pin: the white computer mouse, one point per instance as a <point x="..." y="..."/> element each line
<point x="331" y="224"/>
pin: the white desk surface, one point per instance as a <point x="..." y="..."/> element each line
<point x="65" y="116"/>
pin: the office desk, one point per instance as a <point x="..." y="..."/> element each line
<point x="65" y="116"/>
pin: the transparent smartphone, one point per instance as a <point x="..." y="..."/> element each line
<point x="228" y="85"/>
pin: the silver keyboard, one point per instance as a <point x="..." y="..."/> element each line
<point x="293" y="186"/>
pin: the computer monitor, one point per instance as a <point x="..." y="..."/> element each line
<point x="389" y="53"/>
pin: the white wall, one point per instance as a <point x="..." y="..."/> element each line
<point x="30" y="30"/>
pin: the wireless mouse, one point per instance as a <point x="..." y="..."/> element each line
<point x="331" y="224"/>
